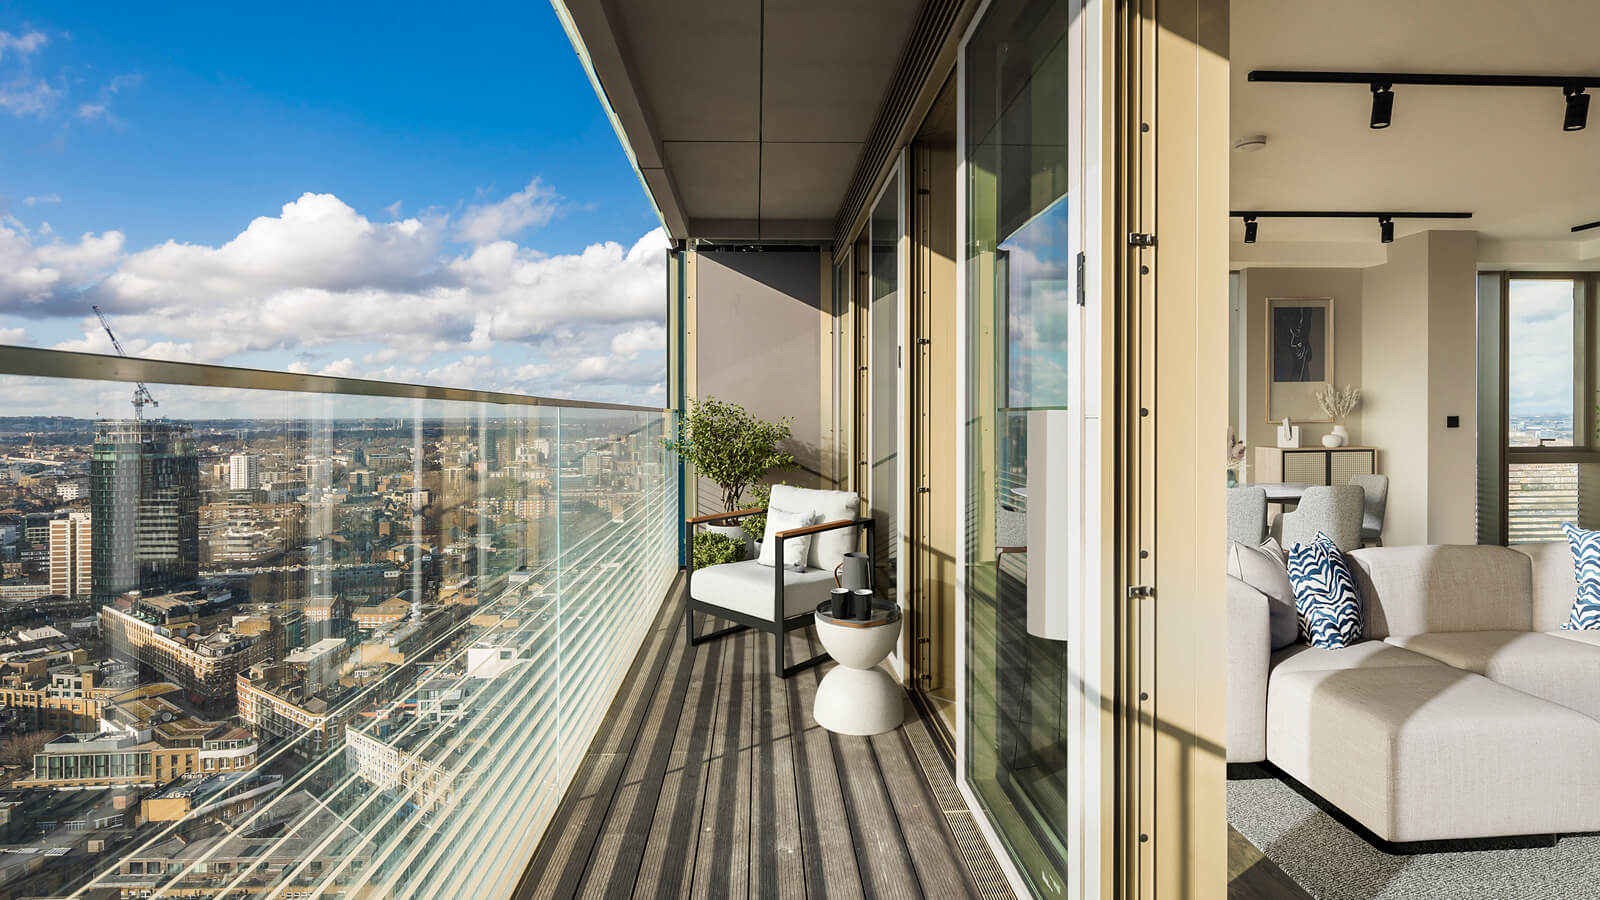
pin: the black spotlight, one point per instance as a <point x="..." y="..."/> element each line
<point x="1577" y="109"/>
<point x="1382" y="105"/>
<point x="1249" y="229"/>
<point x="1386" y="229"/>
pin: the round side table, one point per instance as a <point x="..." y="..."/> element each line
<point x="857" y="697"/>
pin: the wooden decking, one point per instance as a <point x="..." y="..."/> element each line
<point x="710" y="779"/>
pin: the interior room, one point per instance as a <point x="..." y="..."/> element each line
<point x="1412" y="455"/>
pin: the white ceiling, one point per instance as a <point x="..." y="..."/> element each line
<point x="1499" y="153"/>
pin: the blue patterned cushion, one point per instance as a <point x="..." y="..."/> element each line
<point x="1586" y="567"/>
<point x="1326" y="600"/>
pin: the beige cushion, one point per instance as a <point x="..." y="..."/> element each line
<point x="1547" y="667"/>
<point x="1416" y="590"/>
<point x="1555" y="586"/>
<point x="795" y="549"/>
<point x="1365" y="655"/>
<point x="1264" y="568"/>
<point x="1420" y="753"/>
<point x="828" y="547"/>
<point x="746" y="587"/>
<point x="1591" y="638"/>
<point x="1249" y="645"/>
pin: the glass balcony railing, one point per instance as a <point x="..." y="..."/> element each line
<point x="288" y="636"/>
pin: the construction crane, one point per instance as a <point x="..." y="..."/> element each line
<point x="141" y="394"/>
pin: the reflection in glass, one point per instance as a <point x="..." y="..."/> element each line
<point x="339" y="644"/>
<point x="1018" y="266"/>
<point x="884" y="314"/>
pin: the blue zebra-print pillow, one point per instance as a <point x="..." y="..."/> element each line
<point x="1586" y="568"/>
<point x="1326" y="599"/>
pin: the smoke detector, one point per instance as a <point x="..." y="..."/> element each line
<point x="1250" y="143"/>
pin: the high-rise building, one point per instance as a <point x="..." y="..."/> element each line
<point x="319" y="473"/>
<point x="144" y="494"/>
<point x="71" y="556"/>
<point x="244" y="472"/>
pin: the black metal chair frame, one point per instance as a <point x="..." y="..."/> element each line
<point x="778" y="626"/>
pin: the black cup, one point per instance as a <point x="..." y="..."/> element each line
<point x="839" y="603"/>
<point x="861" y="604"/>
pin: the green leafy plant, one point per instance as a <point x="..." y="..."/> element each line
<point x="728" y="445"/>
<point x="712" y="549"/>
<point x="756" y="525"/>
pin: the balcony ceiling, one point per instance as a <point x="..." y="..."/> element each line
<point x="746" y="119"/>
<point x="1497" y="152"/>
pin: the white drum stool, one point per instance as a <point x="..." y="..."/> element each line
<point x="857" y="697"/>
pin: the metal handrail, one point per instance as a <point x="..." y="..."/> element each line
<point x="42" y="363"/>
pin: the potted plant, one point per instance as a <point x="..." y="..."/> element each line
<point x="731" y="447"/>
<point x="1337" y="404"/>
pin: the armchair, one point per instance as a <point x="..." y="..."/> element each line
<point x="777" y="599"/>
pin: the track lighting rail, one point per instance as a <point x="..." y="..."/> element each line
<point x="1287" y="76"/>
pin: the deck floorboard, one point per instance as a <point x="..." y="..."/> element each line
<point x="709" y="778"/>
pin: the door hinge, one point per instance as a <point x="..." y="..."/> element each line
<point x="1140" y="239"/>
<point x="924" y="341"/>
<point x="1083" y="292"/>
<point x="923" y="490"/>
<point x="1140" y="591"/>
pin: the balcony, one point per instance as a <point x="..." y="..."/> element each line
<point x="458" y="657"/>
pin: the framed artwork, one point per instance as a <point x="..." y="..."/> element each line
<point x="1299" y="356"/>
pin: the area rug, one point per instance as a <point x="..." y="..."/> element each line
<point x="1333" y="863"/>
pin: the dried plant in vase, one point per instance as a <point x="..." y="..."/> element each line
<point x="1337" y="404"/>
<point x="1236" y="451"/>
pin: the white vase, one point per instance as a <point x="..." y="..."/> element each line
<point x="1331" y="441"/>
<point x="1344" y="436"/>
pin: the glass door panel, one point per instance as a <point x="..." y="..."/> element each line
<point x="886" y="227"/>
<point x="1020" y="255"/>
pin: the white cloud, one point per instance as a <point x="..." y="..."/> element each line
<point x="40" y="199"/>
<point x="534" y="205"/>
<point x="101" y="107"/>
<point x="28" y="96"/>
<point x="639" y="338"/>
<point x="13" y="336"/>
<point x="350" y="296"/>
<point x="21" y="45"/>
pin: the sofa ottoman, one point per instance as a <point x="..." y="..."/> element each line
<point x="1431" y="752"/>
<point x="1566" y="672"/>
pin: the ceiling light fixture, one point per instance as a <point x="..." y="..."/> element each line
<point x="1577" y="109"/>
<point x="1382" y="105"/>
<point x="1250" y="143"/>
<point x="1382" y="85"/>
<point x="1385" y="218"/>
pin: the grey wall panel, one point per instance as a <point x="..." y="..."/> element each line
<point x="758" y="323"/>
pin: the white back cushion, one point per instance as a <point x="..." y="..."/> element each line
<point x="1555" y="583"/>
<point x="829" y="547"/>
<point x="795" y="549"/>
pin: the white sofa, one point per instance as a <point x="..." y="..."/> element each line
<point x="1466" y="713"/>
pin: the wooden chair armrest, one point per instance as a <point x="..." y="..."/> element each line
<point x="725" y="516"/>
<point x="813" y="529"/>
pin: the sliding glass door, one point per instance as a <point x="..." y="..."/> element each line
<point x="885" y="230"/>
<point x="1029" y="438"/>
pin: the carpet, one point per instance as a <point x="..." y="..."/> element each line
<point x="1333" y="863"/>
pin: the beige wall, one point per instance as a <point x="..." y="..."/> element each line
<point x="1419" y="331"/>
<point x="759" y="344"/>
<point x="1344" y="287"/>
<point x="1452" y="386"/>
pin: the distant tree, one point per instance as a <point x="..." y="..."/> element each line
<point x="19" y="749"/>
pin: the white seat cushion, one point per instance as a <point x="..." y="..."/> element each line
<point x="1420" y="753"/>
<point x="1564" y="672"/>
<point x="827" y="547"/>
<point x="1365" y="655"/>
<point x="746" y="587"/>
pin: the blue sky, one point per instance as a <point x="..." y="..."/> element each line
<point x="428" y="193"/>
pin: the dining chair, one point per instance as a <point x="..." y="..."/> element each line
<point x="1335" y="511"/>
<point x="1376" y="491"/>
<point x="1247" y="514"/>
